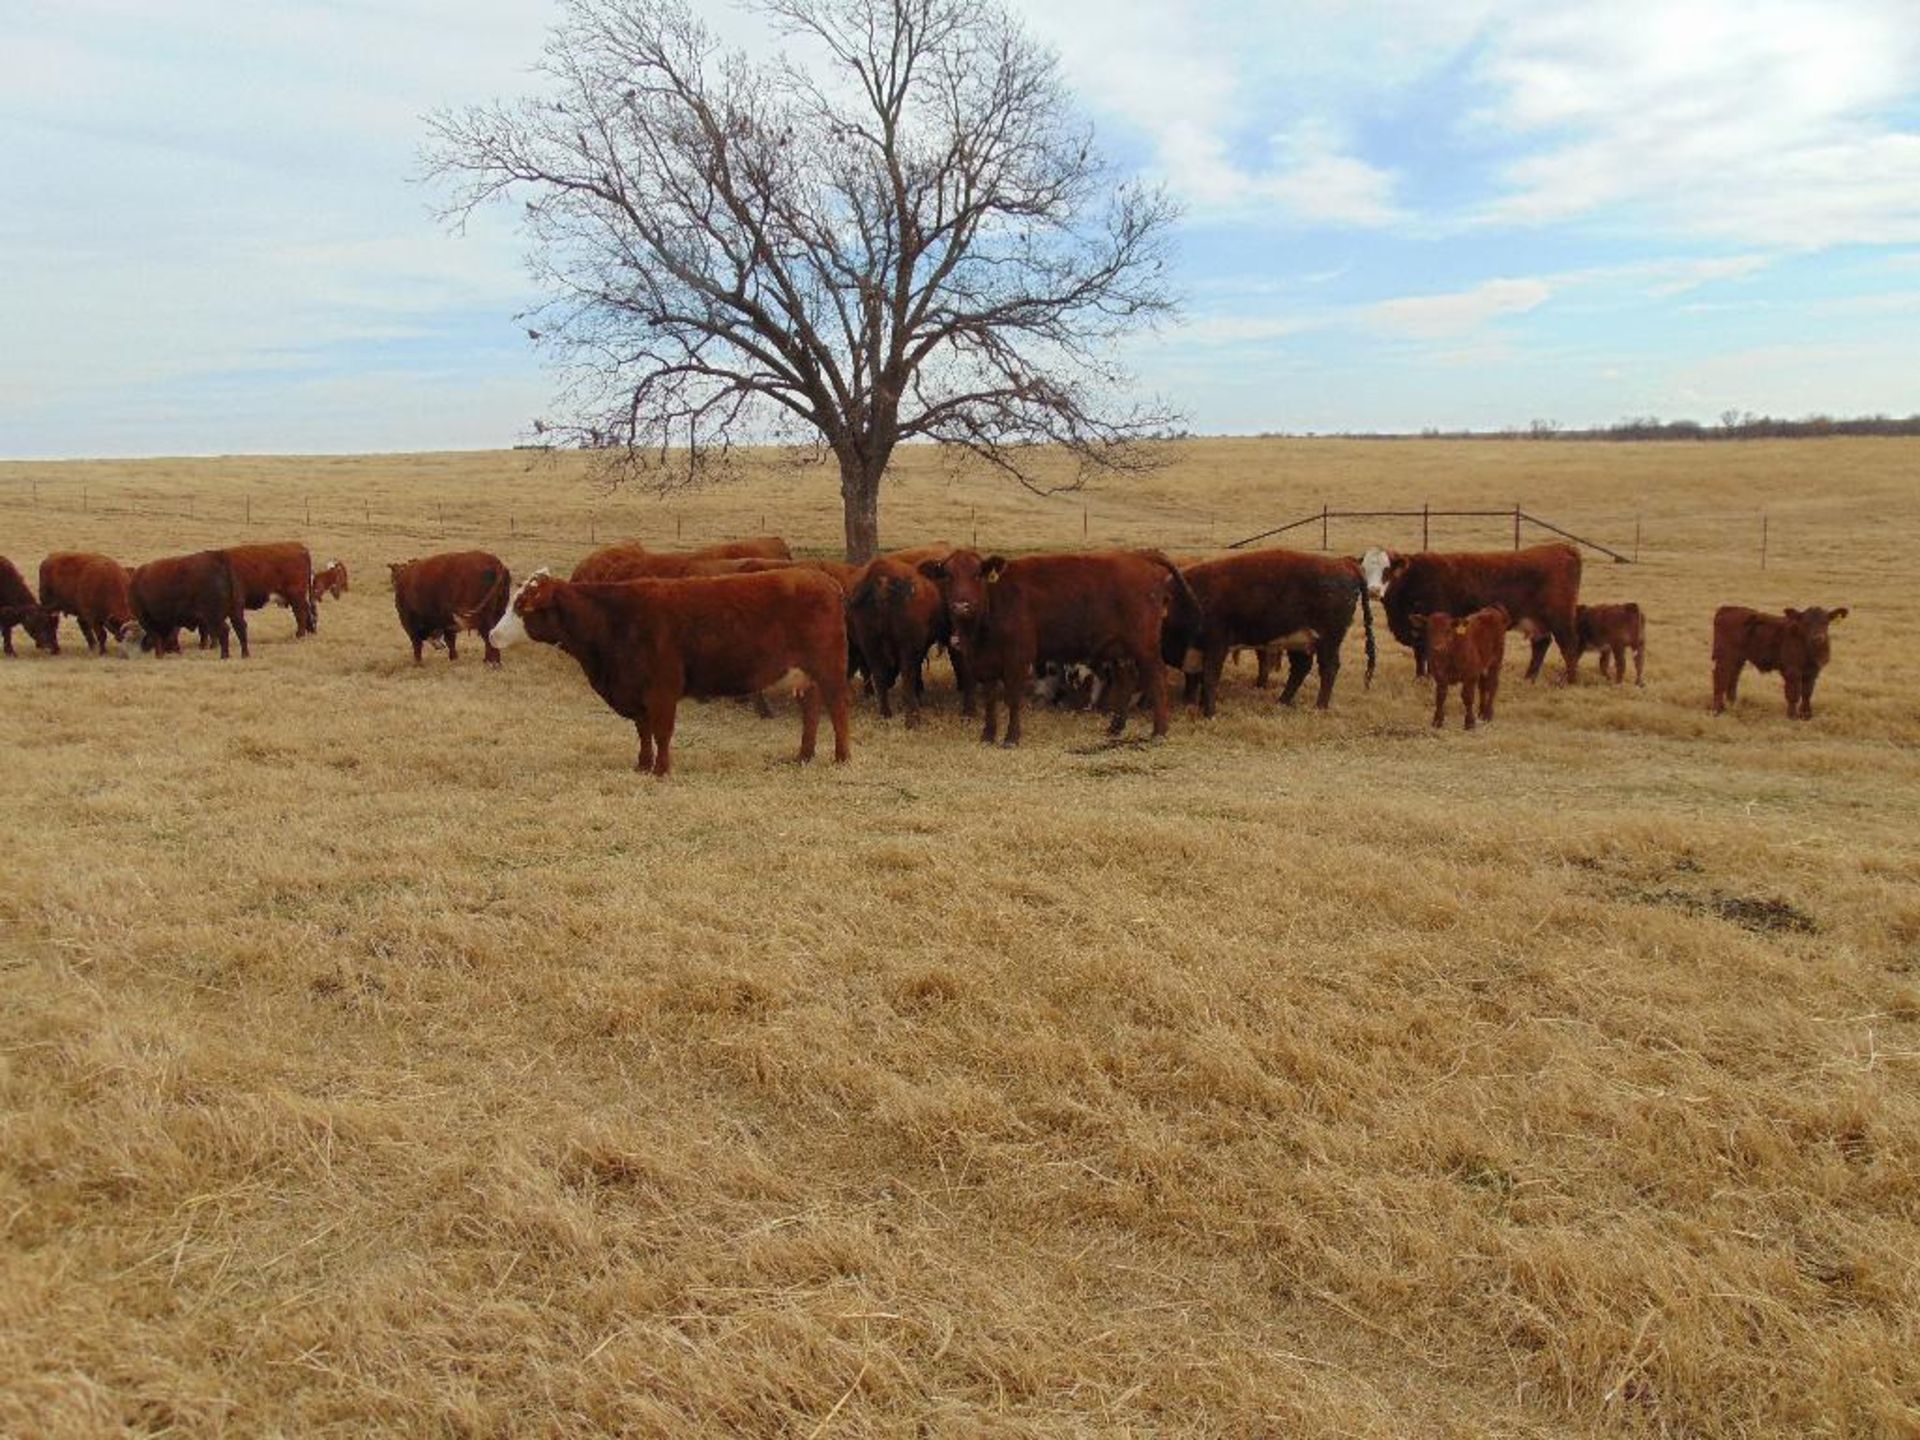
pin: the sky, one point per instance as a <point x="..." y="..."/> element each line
<point x="1398" y="214"/>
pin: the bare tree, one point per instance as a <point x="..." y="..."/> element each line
<point x="897" y="231"/>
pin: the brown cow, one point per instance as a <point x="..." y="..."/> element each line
<point x="1538" y="587"/>
<point x="613" y="563"/>
<point x="441" y="595"/>
<point x="1613" y="630"/>
<point x="19" y="607"/>
<point x="1467" y="653"/>
<point x="101" y="591"/>
<point x="200" y="591"/>
<point x="59" y="579"/>
<point x="277" y="570"/>
<point x="644" y="644"/>
<point x="895" y="616"/>
<point x="630" y="560"/>
<point x="1009" y="615"/>
<point x="1277" y="600"/>
<point x="1794" y="643"/>
<point x="330" y="582"/>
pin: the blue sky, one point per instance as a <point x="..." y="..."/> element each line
<point x="1399" y="213"/>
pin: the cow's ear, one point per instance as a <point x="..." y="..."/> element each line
<point x="933" y="569"/>
<point x="1840" y="614"/>
<point x="991" y="567"/>
<point x="1793" y="615"/>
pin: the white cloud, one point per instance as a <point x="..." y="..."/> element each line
<point x="1434" y="317"/>
<point x="1756" y="121"/>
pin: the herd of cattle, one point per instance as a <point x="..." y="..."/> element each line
<point x="649" y="628"/>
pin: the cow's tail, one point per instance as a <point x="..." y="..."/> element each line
<point x="1195" y="613"/>
<point x="500" y="590"/>
<point x="1366" y="624"/>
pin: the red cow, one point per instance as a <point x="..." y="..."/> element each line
<point x="1538" y="587"/>
<point x="442" y="595"/>
<point x="1613" y="630"/>
<point x="1009" y="615"/>
<point x="102" y="593"/>
<point x="330" y="582"/>
<point x="200" y="591"/>
<point x="278" y="570"/>
<point x="1283" y="599"/>
<point x="1794" y="643"/>
<point x="612" y="563"/>
<point x="644" y="644"/>
<point x="18" y="607"/>
<point x="1467" y="653"/>
<point x="59" y="580"/>
<point x="895" y="616"/>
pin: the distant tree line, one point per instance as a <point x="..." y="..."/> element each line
<point x="1733" y="425"/>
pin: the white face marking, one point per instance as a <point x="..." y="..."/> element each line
<point x="510" y="629"/>
<point x="1373" y="569"/>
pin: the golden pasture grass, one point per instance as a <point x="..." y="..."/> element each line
<point x="379" y="1053"/>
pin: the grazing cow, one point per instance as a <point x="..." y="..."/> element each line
<point x="199" y="591"/>
<point x="442" y="595"/>
<point x="1795" y="643"/>
<point x="1007" y="616"/>
<point x="1613" y="630"/>
<point x="644" y="644"/>
<point x="104" y="604"/>
<point x="1284" y="599"/>
<point x="59" y="581"/>
<point x="1539" y="588"/>
<point x="278" y="570"/>
<point x="612" y="563"/>
<point x="330" y="582"/>
<point x="1467" y="653"/>
<point x="18" y="607"/>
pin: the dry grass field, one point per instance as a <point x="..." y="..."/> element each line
<point x="378" y="1053"/>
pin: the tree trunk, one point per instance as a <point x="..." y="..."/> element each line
<point x="860" y="497"/>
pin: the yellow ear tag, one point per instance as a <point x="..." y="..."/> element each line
<point x="994" y="578"/>
<point x="1459" y="629"/>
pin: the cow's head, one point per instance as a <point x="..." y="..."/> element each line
<point x="43" y="625"/>
<point x="529" y="615"/>
<point x="1811" y="627"/>
<point x="966" y="581"/>
<point x="395" y="569"/>
<point x="129" y="638"/>
<point x="1379" y="568"/>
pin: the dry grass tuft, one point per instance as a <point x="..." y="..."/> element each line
<point x="379" y="1053"/>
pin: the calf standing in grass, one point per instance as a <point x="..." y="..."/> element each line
<point x="1613" y="630"/>
<point x="330" y="583"/>
<point x="1794" y="643"/>
<point x="1467" y="653"/>
<point x="646" y="643"/>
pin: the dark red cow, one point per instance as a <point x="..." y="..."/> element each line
<point x="1795" y="643"/>
<point x="1539" y="588"/>
<point x="1467" y="653"/>
<point x="612" y="563"/>
<point x="895" y="616"/>
<point x="644" y="644"/>
<point x="1273" y="599"/>
<point x="1008" y="616"/>
<point x="1613" y="630"/>
<point x="277" y="570"/>
<point x="19" y="607"/>
<point x="330" y="582"/>
<point x="198" y="591"/>
<point x="104" y="604"/>
<point x="441" y="595"/>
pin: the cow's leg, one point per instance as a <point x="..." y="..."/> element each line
<point x="1489" y="687"/>
<point x="1439" y="704"/>
<point x="760" y="705"/>
<point x="419" y="644"/>
<point x="1327" y="654"/>
<point x="1016" y="683"/>
<point x="660" y="708"/>
<point x="6" y="639"/>
<point x="1119" y="698"/>
<point x="1419" y="659"/>
<point x="1640" y="665"/>
<point x="490" y="652"/>
<point x="1806" y="694"/>
<point x="220" y="632"/>
<point x="1299" y="662"/>
<point x="839" y="699"/>
<point x="990" y="706"/>
<point x="645" y="762"/>
<point x="911" y="689"/>
<point x="1155" y="674"/>
<point x="1540" y="645"/>
<point x="809" y="718"/>
<point x="882" y="671"/>
<point x="1213" y="662"/>
<point x="1266" y="668"/>
<point x="451" y="635"/>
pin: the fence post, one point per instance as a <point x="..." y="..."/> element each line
<point x="975" y="519"/>
<point x="1763" y="539"/>
<point x="83" y="500"/>
<point x="1516" y="524"/>
<point x="366" y="507"/>
<point x="36" y="494"/>
<point x="1323" y="525"/>
<point x="592" y="538"/>
<point x="512" y="529"/>
<point x="1084" y="523"/>
<point x="1636" y="539"/>
<point x="249" y="509"/>
<point x="442" y="511"/>
<point x="676" y="527"/>
<point x="309" y="510"/>
<point x="1425" y="506"/>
